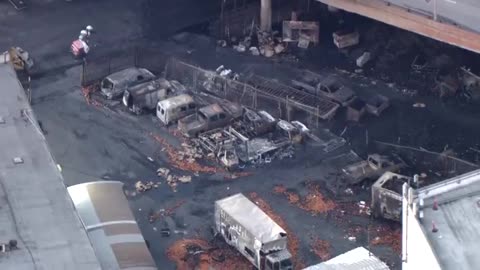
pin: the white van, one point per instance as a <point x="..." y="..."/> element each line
<point x="171" y="109"/>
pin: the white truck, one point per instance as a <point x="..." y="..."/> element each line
<point x="253" y="233"/>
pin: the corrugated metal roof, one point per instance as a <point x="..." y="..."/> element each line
<point x="355" y="259"/>
<point x="111" y="226"/>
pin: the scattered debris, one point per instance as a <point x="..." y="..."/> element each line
<point x="419" y="105"/>
<point x="321" y="248"/>
<point x="363" y="59"/>
<point x="295" y="31"/>
<point x="154" y="216"/>
<point x="384" y="235"/>
<point x="346" y="38"/>
<point x="142" y="187"/>
<point x="185" y="179"/>
<point x="254" y="51"/>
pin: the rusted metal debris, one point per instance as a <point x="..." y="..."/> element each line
<point x="154" y="216"/>
<point x="293" y="242"/>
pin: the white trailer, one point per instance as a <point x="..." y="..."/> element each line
<point x="253" y="233"/>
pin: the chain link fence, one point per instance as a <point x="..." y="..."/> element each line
<point x="97" y="67"/>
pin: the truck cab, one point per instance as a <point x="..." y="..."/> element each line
<point x="280" y="260"/>
<point x="386" y="196"/>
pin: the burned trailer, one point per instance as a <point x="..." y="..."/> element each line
<point x="386" y="196"/>
<point x="145" y="96"/>
<point x="244" y="226"/>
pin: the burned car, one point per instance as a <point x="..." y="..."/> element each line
<point x="386" y="196"/>
<point x="145" y="96"/>
<point x="115" y="84"/>
<point x="209" y="117"/>
<point x="373" y="167"/>
<point x="329" y="87"/>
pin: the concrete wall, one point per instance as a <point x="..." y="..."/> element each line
<point x="416" y="250"/>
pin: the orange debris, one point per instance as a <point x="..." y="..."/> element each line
<point x="183" y="164"/>
<point x="293" y="242"/>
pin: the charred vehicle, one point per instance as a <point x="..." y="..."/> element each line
<point x="253" y="233"/>
<point x="209" y="117"/>
<point x="171" y="109"/>
<point x="386" y="196"/>
<point x="329" y="87"/>
<point x="115" y="84"/>
<point x="373" y="167"/>
<point x="145" y="96"/>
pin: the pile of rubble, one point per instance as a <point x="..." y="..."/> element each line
<point x="269" y="44"/>
<point x="321" y="248"/>
<point x="293" y="242"/>
<point x="171" y="179"/>
<point x="141" y="187"/>
<point x="200" y="254"/>
<point x="185" y="159"/>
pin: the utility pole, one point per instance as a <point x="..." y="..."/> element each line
<point x="266" y="15"/>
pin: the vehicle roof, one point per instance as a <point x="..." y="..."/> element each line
<point x="250" y="216"/>
<point x="35" y="208"/>
<point x="388" y="175"/>
<point x="176" y="101"/>
<point x="211" y="110"/>
<point x="150" y="86"/>
<point x="129" y="74"/>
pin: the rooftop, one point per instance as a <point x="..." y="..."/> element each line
<point x="36" y="209"/>
<point x="355" y="259"/>
<point x="457" y="219"/>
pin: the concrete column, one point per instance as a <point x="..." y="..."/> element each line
<point x="266" y="15"/>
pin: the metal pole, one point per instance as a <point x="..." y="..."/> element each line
<point x="435" y="10"/>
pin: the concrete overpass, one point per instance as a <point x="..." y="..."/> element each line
<point x="429" y="23"/>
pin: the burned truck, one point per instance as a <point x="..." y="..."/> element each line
<point x="373" y="167"/>
<point x="243" y="225"/>
<point x="145" y="96"/>
<point x="209" y="117"/>
<point x="386" y="196"/>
